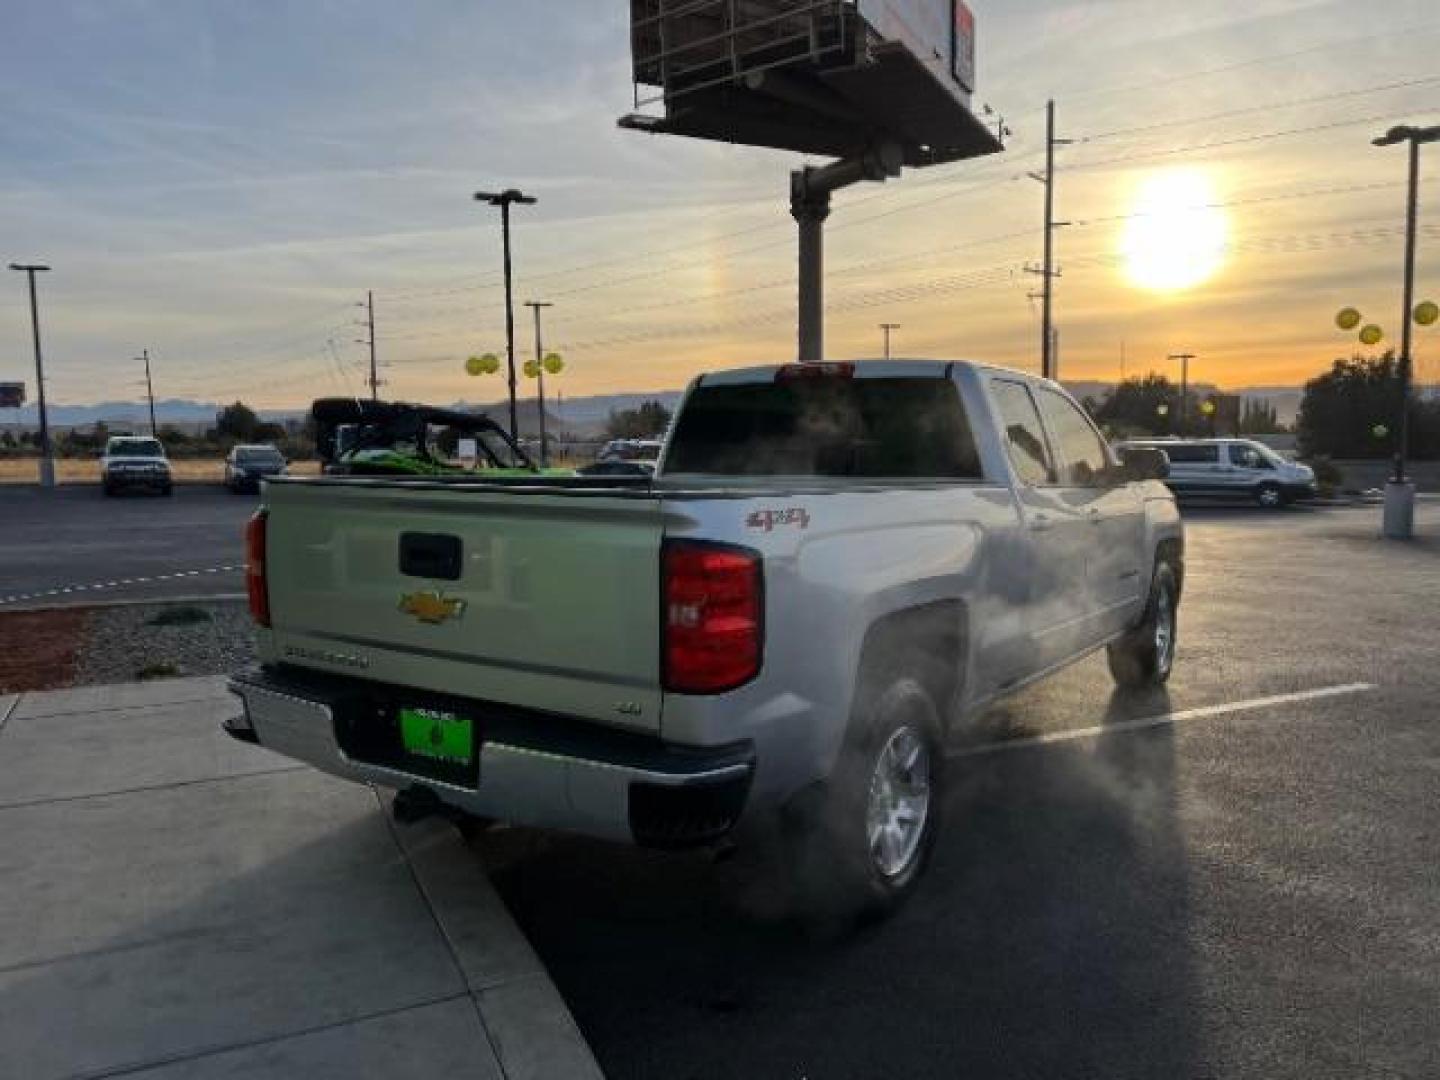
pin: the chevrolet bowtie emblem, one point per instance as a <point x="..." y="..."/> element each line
<point x="431" y="607"/>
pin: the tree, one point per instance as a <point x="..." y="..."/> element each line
<point x="646" y="422"/>
<point x="1349" y="412"/>
<point x="236" y="423"/>
<point x="1149" y="405"/>
<point x="1259" y="418"/>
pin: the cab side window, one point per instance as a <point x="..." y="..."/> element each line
<point x="1192" y="453"/>
<point x="1247" y="457"/>
<point x="1024" y="435"/>
<point x="1084" y="460"/>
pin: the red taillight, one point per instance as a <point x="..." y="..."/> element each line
<point x="255" y="569"/>
<point x="714" y="617"/>
<point x="796" y="372"/>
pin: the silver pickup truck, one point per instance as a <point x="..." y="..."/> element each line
<point x="834" y="570"/>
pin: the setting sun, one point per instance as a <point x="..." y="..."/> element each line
<point x="1176" y="238"/>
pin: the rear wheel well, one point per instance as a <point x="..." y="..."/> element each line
<point x="929" y="639"/>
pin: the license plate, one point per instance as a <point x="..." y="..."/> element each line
<point x="445" y="738"/>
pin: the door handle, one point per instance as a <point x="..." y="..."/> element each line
<point x="1041" y="523"/>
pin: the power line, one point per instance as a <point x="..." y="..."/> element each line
<point x="1264" y="136"/>
<point x="1409" y="32"/>
<point x="1294" y="103"/>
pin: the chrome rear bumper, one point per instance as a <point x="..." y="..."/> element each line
<point x="541" y="771"/>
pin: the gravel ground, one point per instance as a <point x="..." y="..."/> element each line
<point x="123" y="644"/>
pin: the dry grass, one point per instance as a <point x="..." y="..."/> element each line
<point x="87" y="471"/>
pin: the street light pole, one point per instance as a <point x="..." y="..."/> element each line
<point x="504" y="200"/>
<point x="1184" y="359"/>
<point x="538" y="306"/>
<point x="1400" y="494"/>
<point x="149" y="389"/>
<point x="47" y="463"/>
<point x="888" y="327"/>
<point x="374" y="365"/>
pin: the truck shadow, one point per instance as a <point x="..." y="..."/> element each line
<point x="1052" y="937"/>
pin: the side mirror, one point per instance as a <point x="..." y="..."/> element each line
<point x="1144" y="463"/>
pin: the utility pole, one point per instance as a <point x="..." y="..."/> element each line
<point x="1400" y="493"/>
<point x="537" y="306"/>
<point x="47" y="463"/>
<point x="374" y="367"/>
<point x="149" y="390"/>
<point x="888" y="327"/>
<point x="1184" y="359"/>
<point x="1048" y="273"/>
<point x="504" y="200"/>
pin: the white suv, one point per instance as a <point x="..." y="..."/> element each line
<point x="1231" y="467"/>
<point x="133" y="462"/>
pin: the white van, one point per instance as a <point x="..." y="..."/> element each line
<point x="1232" y="467"/>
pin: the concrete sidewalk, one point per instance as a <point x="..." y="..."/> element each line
<point x="176" y="904"/>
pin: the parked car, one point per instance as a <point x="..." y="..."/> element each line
<point x="630" y="450"/>
<point x="836" y="570"/>
<point x="1233" y="467"/>
<point x="618" y="468"/>
<point x="132" y="461"/>
<point x="246" y="466"/>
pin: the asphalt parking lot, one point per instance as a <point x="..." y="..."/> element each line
<point x="1247" y="889"/>
<point x="74" y="546"/>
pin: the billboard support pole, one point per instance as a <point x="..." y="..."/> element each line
<point x="810" y="191"/>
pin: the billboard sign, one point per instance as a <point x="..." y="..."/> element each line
<point x="941" y="33"/>
<point x="12" y="395"/>
<point x="962" y="51"/>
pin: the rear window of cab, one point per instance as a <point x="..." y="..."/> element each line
<point x="903" y="428"/>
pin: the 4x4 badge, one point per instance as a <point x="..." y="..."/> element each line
<point x="431" y="607"/>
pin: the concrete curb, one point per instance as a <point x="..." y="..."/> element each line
<point x="529" y="1026"/>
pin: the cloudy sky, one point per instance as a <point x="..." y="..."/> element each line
<point x="221" y="182"/>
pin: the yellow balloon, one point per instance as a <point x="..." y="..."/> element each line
<point x="554" y="365"/>
<point x="532" y="369"/>
<point x="475" y="365"/>
<point x="1427" y="312"/>
<point x="1347" y="319"/>
<point x="1371" y="335"/>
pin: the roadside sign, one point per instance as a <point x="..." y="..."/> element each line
<point x="12" y="395"/>
<point x="469" y="451"/>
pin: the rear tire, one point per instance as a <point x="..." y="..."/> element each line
<point x="860" y="840"/>
<point x="1145" y="656"/>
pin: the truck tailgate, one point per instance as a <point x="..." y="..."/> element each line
<point x="546" y="599"/>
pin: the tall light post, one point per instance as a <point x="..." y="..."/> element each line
<point x="47" y="463"/>
<point x="144" y="358"/>
<point x="1399" y="493"/>
<point x="538" y="306"/>
<point x="889" y="328"/>
<point x="504" y="200"/>
<point x="1184" y="359"/>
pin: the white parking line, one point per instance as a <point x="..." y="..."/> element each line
<point x="1205" y="712"/>
<point x="71" y="589"/>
